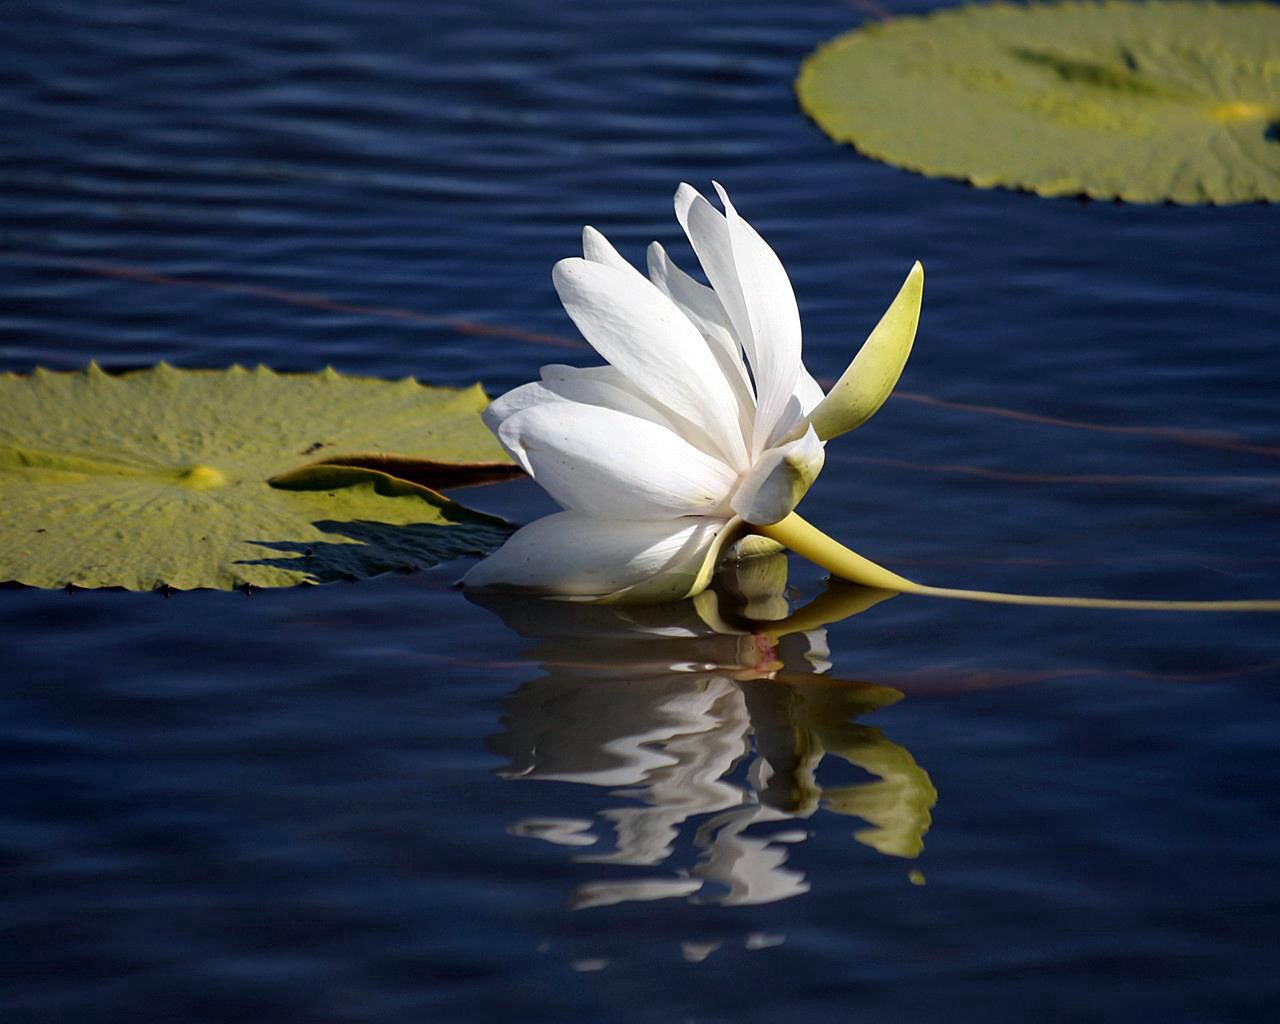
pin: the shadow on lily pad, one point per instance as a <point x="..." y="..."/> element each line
<point x="371" y="548"/>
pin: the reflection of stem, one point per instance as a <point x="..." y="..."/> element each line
<point x="837" y="603"/>
<point x="811" y="543"/>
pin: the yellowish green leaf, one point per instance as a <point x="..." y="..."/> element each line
<point x="1166" y="100"/>
<point x="164" y="477"/>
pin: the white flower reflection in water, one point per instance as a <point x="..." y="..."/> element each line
<point x="706" y="723"/>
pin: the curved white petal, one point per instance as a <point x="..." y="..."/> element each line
<point x="696" y="301"/>
<point x="808" y="392"/>
<point x="598" y="249"/>
<point x="701" y="305"/>
<point x="779" y="479"/>
<point x="580" y="556"/>
<point x="774" y="321"/>
<point x="642" y="333"/>
<point x="590" y="385"/>
<point x="708" y="233"/>
<point x="794" y="420"/>
<point x="505" y="406"/>
<point x="608" y="390"/>
<point x="795" y="415"/>
<point x="756" y="293"/>
<point x="605" y="463"/>
<point x="612" y="390"/>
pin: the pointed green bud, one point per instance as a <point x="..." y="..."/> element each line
<point x="870" y="378"/>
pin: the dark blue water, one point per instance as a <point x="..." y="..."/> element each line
<point x="386" y="802"/>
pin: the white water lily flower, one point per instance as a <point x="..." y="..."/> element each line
<point x="677" y="445"/>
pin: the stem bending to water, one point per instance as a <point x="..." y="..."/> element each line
<point x="809" y="542"/>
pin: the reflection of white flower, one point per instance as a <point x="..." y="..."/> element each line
<point x="655" y="454"/>
<point x="702" y="734"/>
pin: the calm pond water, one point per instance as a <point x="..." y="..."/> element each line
<point x="389" y="802"/>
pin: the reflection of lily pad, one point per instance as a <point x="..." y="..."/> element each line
<point x="199" y="478"/>
<point x="1150" y="101"/>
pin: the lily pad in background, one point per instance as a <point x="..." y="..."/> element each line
<point x="1139" y="101"/>
<point x="220" y="478"/>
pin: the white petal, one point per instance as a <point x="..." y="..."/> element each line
<point x="606" y="386"/>
<point x="709" y="235"/>
<point x="774" y="319"/>
<point x="606" y="463"/>
<point x="598" y="249"/>
<point x="590" y="385"/>
<point x="795" y="416"/>
<point x="505" y="406"/>
<point x="713" y="241"/>
<point x="701" y="305"/>
<point x="579" y="556"/>
<point x="602" y="386"/>
<point x="643" y="333"/>
<point x="698" y="302"/>
<point x="808" y="392"/>
<point x="779" y="479"/>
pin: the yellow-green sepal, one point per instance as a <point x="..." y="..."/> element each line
<point x="875" y="370"/>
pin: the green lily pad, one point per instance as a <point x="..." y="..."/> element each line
<point x="1138" y="101"/>
<point x="222" y="478"/>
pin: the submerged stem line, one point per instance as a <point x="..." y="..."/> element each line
<point x="809" y="542"/>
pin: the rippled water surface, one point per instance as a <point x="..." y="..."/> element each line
<point x="389" y="802"/>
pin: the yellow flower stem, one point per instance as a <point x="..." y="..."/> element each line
<point x="809" y="542"/>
